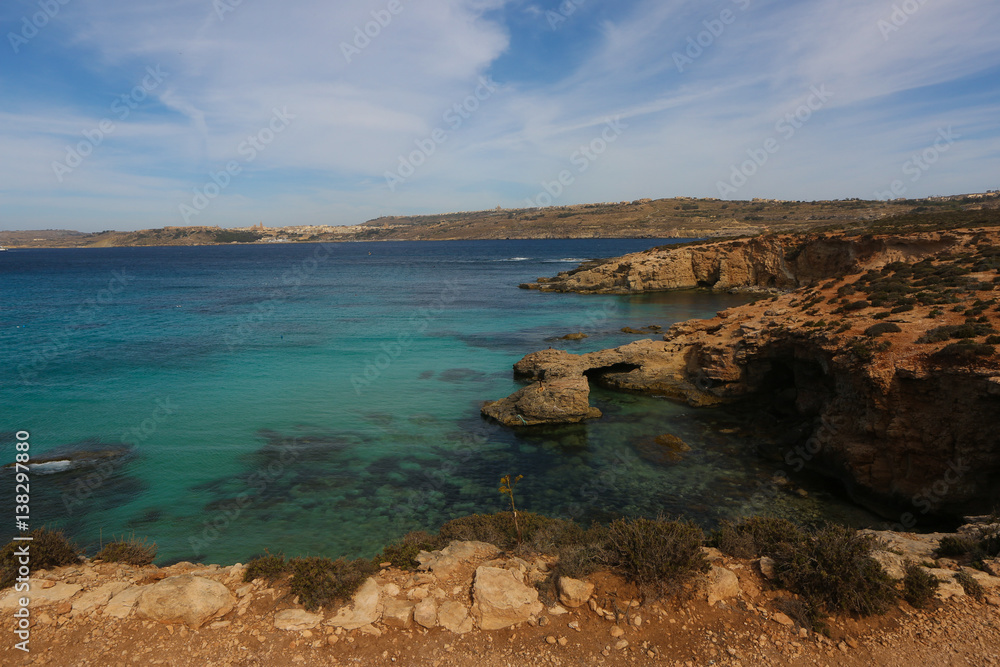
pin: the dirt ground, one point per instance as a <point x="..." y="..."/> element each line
<point x="740" y="632"/>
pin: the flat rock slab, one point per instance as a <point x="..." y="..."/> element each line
<point x="122" y="604"/>
<point x="365" y="608"/>
<point x="40" y="596"/>
<point x="296" y="619"/>
<point x="186" y="599"/>
<point x="97" y="597"/>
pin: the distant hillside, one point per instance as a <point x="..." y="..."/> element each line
<point x="645" y="218"/>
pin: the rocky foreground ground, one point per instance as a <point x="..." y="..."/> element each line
<point x="471" y="604"/>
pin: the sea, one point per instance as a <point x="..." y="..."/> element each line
<point x="324" y="399"/>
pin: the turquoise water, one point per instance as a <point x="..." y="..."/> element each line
<point x="325" y="399"/>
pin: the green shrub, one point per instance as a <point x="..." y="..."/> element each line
<point x="656" y="554"/>
<point x="862" y="352"/>
<point x="267" y="567"/>
<point x="757" y="536"/>
<point x="321" y="582"/>
<point x="882" y="328"/>
<point x="972" y="587"/>
<point x="584" y="555"/>
<point x="952" y="546"/>
<point x="403" y="554"/>
<point x="49" y="548"/>
<point x="833" y="570"/>
<point x="993" y="340"/>
<point x="130" y="551"/>
<point x="919" y="585"/>
<point x="905" y="308"/>
<point x="964" y="351"/>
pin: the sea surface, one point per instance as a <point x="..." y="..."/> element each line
<point x="324" y="399"/>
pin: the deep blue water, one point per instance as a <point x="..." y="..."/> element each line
<point x="324" y="399"/>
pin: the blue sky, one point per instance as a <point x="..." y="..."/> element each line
<point x="127" y="115"/>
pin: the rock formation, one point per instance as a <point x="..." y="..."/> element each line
<point x="883" y="376"/>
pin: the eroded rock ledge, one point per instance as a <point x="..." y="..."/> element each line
<point x="765" y="262"/>
<point x="901" y="421"/>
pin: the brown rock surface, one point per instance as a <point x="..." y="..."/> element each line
<point x="903" y="426"/>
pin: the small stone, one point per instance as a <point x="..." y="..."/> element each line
<point x="563" y="641"/>
<point x="550" y="639"/>
<point x="616" y="632"/>
<point x="782" y="619"/>
<point x="651" y="654"/>
<point x="621" y="645"/>
<point x="573" y="625"/>
<point x="543" y="621"/>
<point x="637" y="621"/>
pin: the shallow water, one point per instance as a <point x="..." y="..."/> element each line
<point x="324" y="400"/>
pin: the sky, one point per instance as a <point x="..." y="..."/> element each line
<point x="133" y="115"/>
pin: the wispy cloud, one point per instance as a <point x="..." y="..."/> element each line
<point x="893" y="89"/>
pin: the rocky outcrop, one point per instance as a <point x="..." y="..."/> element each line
<point x="501" y="599"/>
<point x="764" y="262"/>
<point x="186" y="599"/>
<point x="907" y="428"/>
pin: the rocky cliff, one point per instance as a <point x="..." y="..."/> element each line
<point x="884" y="376"/>
<point x="764" y="262"/>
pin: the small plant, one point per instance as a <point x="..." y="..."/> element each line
<point x="507" y="488"/>
<point x="268" y="567"/>
<point x="758" y="536"/>
<point x="833" y="570"/>
<point x="919" y="585"/>
<point x="972" y="587"/>
<point x="49" y="548"/>
<point x="656" y="554"/>
<point x="964" y="351"/>
<point x="882" y="328"/>
<point x="321" y="582"/>
<point x="952" y="546"/>
<point x="130" y="551"/>
<point x="403" y="554"/>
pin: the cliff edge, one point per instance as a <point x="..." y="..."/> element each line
<point x="879" y="367"/>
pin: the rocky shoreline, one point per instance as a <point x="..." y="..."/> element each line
<point x="875" y="358"/>
<point x="471" y="603"/>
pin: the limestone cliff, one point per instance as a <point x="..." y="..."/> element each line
<point x="884" y="377"/>
<point x="765" y="262"/>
